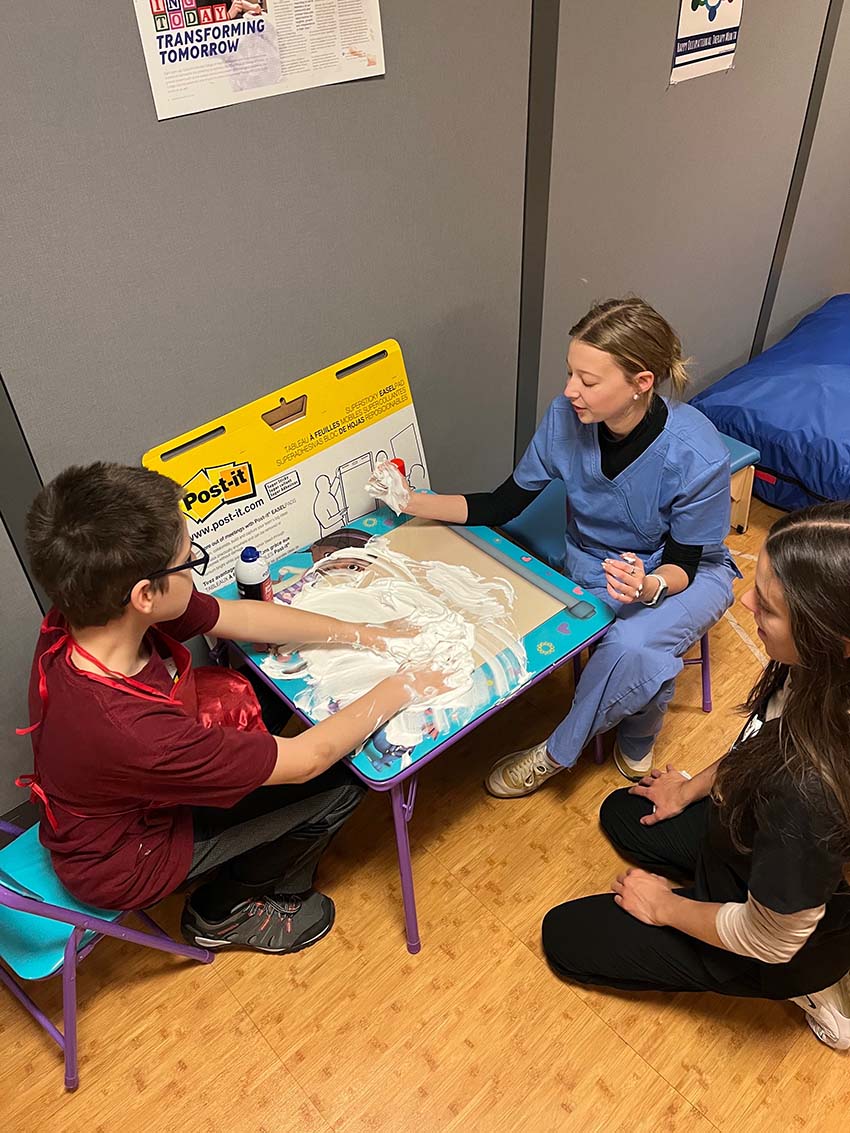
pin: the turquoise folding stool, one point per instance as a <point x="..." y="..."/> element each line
<point x="44" y="932"/>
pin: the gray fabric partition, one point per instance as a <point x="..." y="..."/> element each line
<point x="18" y="630"/>
<point x="159" y="274"/>
<point x="164" y="273"/>
<point x="678" y="193"/>
<point x="817" y="262"/>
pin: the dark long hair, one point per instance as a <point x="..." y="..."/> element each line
<point x="809" y="554"/>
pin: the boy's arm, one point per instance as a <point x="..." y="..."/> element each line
<point x="314" y="751"/>
<point x="244" y="620"/>
<point x="163" y="756"/>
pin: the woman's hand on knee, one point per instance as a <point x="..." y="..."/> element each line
<point x="669" y="792"/>
<point x="645" y="895"/>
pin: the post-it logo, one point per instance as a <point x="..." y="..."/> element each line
<point x="212" y="488"/>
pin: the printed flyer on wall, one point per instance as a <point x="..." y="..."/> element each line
<point x="706" y="37"/>
<point x="202" y="54"/>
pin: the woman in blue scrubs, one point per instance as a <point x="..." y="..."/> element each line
<point x="648" y="504"/>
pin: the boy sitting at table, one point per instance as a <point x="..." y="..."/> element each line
<point x="150" y="774"/>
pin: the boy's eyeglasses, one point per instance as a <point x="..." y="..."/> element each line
<point x="198" y="561"/>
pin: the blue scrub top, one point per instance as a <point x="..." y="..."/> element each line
<point x="679" y="486"/>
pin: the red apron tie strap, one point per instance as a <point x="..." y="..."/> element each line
<point x="43" y="693"/>
<point x="182" y="682"/>
<point x="36" y="792"/>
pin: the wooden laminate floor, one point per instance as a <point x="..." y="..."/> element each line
<point x="474" y="1034"/>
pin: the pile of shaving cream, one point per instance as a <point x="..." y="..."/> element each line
<point x="453" y="609"/>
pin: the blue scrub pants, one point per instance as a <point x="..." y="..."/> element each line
<point x="631" y="675"/>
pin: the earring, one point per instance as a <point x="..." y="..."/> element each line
<point x="635" y="396"/>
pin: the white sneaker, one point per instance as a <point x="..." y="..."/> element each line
<point x="520" y="773"/>
<point x="632" y="769"/>
<point x="828" y="1013"/>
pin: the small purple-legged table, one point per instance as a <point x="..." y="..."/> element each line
<point x="574" y="622"/>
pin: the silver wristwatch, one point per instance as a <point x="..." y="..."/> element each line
<point x="660" y="592"/>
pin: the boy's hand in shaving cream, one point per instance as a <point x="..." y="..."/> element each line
<point x="425" y="684"/>
<point x="378" y="637"/>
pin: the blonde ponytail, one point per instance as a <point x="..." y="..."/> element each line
<point x="679" y="376"/>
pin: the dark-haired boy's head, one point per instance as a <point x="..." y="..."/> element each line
<point x="95" y="531"/>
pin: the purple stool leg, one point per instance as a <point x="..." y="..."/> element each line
<point x="402" y="812"/>
<point x="203" y="955"/>
<point x="69" y="1009"/>
<point x="705" y="658"/>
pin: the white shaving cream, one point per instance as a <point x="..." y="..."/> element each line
<point x="462" y="620"/>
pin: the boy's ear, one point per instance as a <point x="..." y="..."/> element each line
<point x="142" y="597"/>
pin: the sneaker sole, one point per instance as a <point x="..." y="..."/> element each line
<point x="510" y="792"/>
<point x="627" y="772"/>
<point x="513" y="794"/>
<point x="213" y="944"/>
<point x="828" y="1038"/>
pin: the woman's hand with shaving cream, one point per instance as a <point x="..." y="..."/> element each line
<point x="388" y="485"/>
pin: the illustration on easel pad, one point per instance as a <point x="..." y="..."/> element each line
<point x="292" y="466"/>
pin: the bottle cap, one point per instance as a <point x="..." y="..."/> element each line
<point x="399" y="463"/>
<point x="250" y="555"/>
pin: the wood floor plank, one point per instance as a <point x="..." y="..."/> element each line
<point x="808" y="1090"/>
<point x="474" y="1034"/>
<point x="163" y="1045"/>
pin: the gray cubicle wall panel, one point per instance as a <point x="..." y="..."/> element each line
<point x="161" y="274"/>
<point x="19" y="624"/>
<point x="676" y="194"/>
<point x="817" y="261"/>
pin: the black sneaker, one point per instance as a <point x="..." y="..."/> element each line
<point x="265" y="924"/>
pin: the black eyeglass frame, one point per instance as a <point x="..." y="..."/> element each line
<point x="198" y="565"/>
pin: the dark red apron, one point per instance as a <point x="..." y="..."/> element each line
<point x="212" y="695"/>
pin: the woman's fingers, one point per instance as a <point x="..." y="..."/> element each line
<point x="619" y="570"/>
<point x="623" y="592"/>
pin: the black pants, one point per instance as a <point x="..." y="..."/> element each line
<point x="271" y="841"/>
<point x="273" y="838"/>
<point x="594" y="941"/>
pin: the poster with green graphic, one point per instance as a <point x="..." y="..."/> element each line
<point x="706" y="38"/>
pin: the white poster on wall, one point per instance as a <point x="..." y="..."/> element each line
<point x="706" y="37"/>
<point x="202" y="54"/>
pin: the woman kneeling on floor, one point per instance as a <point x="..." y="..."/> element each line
<point x="755" y="846"/>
